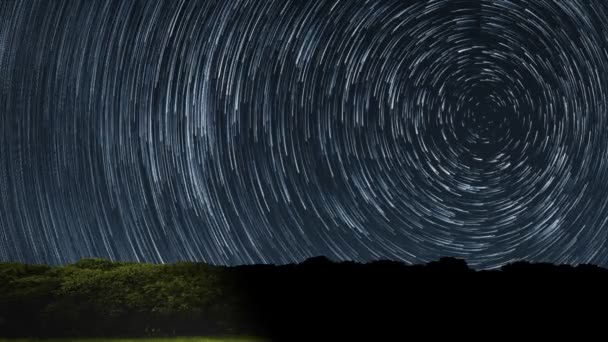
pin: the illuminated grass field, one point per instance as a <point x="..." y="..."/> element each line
<point x="167" y="339"/>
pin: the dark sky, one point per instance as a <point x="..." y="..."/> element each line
<point x="271" y="131"/>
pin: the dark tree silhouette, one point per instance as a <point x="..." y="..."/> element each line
<point x="316" y="298"/>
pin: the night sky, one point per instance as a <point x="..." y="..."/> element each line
<point x="237" y="132"/>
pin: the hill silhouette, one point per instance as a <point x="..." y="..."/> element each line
<point x="306" y="301"/>
<point x="321" y="298"/>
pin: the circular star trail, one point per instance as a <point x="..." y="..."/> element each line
<point x="270" y="131"/>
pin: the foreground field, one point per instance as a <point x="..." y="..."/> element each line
<point x="168" y="339"/>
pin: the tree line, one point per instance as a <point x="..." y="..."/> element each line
<point x="98" y="298"/>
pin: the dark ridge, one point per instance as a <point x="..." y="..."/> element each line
<point x="388" y="297"/>
<point x="314" y="300"/>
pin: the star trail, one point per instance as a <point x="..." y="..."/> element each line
<point x="237" y="132"/>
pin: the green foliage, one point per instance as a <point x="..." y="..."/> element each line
<point x="94" y="296"/>
<point x="96" y="264"/>
<point x="12" y="271"/>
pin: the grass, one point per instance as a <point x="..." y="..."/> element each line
<point x="160" y="339"/>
